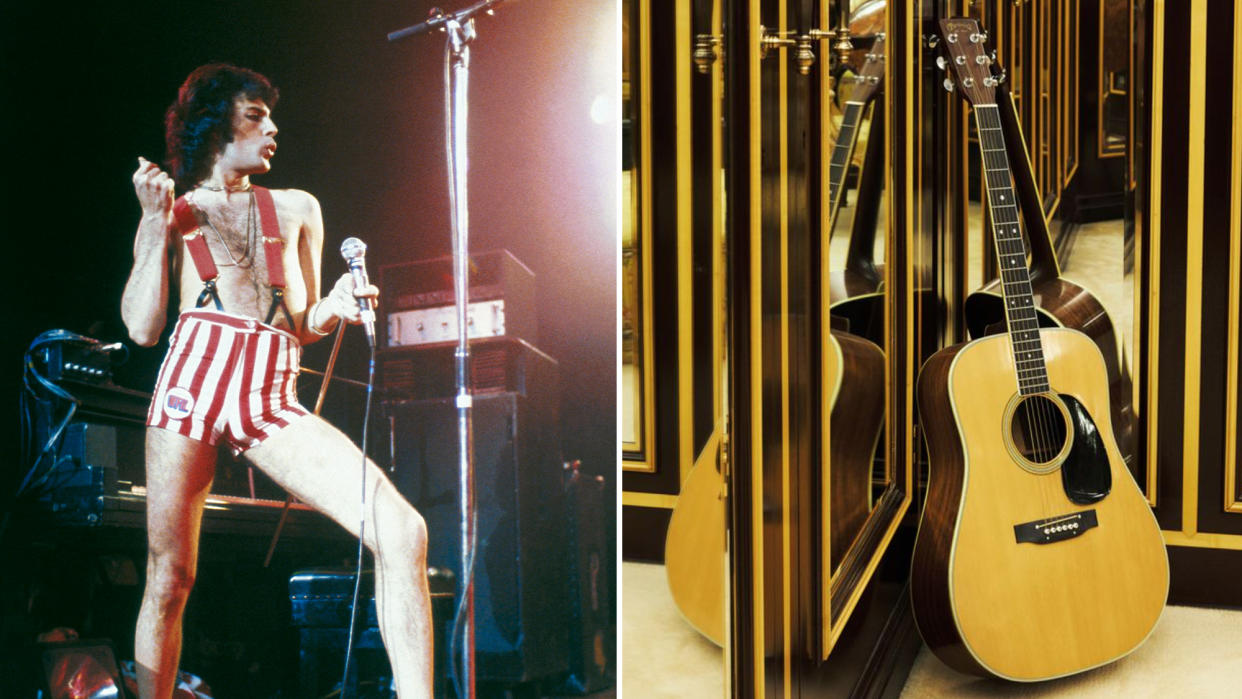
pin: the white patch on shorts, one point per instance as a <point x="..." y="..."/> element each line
<point x="178" y="403"/>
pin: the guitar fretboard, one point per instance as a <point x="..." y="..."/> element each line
<point x="839" y="163"/>
<point x="1020" y="314"/>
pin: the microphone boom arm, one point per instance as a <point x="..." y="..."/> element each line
<point x="439" y="19"/>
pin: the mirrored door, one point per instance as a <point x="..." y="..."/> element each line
<point x="819" y="485"/>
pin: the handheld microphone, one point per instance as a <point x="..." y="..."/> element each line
<point x="354" y="251"/>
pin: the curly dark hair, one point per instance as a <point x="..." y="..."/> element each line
<point x="200" y="121"/>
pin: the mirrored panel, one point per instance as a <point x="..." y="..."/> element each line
<point x="857" y="475"/>
<point x="854" y="233"/>
<point x="637" y="377"/>
<point x="1114" y="78"/>
<point x="673" y="339"/>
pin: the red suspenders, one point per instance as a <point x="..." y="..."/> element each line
<point x="273" y="247"/>
<point x="192" y="234"/>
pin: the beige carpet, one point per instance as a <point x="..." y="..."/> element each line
<point x="1192" y="653"/>
<point x="661" y="656"/>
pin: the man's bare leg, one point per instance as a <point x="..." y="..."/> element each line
<point x="319" y="464"/>
<point x="179" y="474"/>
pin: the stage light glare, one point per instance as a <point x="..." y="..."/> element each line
<point x="603" y="109"/>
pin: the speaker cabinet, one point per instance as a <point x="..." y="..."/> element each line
<point x="520" y="592"/>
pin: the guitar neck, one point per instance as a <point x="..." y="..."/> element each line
<point x="1021" y="317"/>
<point x="839" y="163"/>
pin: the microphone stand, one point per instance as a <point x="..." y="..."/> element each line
<point x="460" y="29"/>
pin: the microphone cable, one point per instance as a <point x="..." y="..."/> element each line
<point x="362" y="523"/>
<point x="41" y="397"/>
<point x="459" y="614"/>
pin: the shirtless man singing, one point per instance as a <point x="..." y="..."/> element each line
<point x="232" y="364"/>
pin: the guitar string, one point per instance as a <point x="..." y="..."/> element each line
<point x="1050" y="427"/>
<point x="1040" y="436"/>
<point x="1040" y="424"/>
<point x="1044" y="443"/>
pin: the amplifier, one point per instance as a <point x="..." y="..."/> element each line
<point x="320" y="599"/>
<point x="419" y="299"/>
<point x="99" y="461"/>
<point x="520" y="592"/>
<point x="497" y="364"/>
<point x="61" y="355"/>
<point x="85" y="470"/>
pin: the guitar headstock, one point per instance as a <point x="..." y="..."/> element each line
<point x="867" y="81"/>
<point x="966" y="46"/>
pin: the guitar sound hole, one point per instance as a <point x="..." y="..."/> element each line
<point x="1039" y="429"/>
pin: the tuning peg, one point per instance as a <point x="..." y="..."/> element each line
<point x="978" y="37"/>
<point x="948" y="84"/>
<point x="993" y="55"/>
<point x="951" y="37"/>
<point x="874" y="80"/>
<point x="941" y="63"/>
<point x="932" y="40"/>
<point x="968" y="82"/>
<point x="960" y="60"/>
<point x="1001" y="78"/>
<point x="982" y="60"/>
<point x="990" y="81"/>
<point x="858" y="80"/>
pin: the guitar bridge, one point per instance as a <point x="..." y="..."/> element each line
<point x="1053" y="529"/>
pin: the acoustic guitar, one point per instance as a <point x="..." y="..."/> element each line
<point x="855" y="291"/>
<point x="1037" y="555"/>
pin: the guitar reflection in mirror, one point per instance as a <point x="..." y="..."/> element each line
<point x="853" y="362"/>
<point x="856" y="284"/>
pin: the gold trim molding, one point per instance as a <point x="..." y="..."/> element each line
<point x="656" y="500"/>
<point x="1203" y="540"/>
<point x="644" y="449"/>
<point x="1232" y="502"/>
<point x="1194" y="266"/>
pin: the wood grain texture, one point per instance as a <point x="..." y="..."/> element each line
<point x="929" y="568"/>
<point x="857" y="415"/>
<point x="1023" y="611"/>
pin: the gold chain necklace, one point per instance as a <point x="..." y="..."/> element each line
<point x="246" y="260"/>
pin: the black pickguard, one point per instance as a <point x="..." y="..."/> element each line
<point x="1085" y="475"/>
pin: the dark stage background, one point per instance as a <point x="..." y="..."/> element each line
<point x="361" y="127"/>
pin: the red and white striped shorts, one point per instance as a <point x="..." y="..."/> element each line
<point x="227" y="376"/>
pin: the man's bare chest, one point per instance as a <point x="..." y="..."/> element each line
<point x="246" y="256"/>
